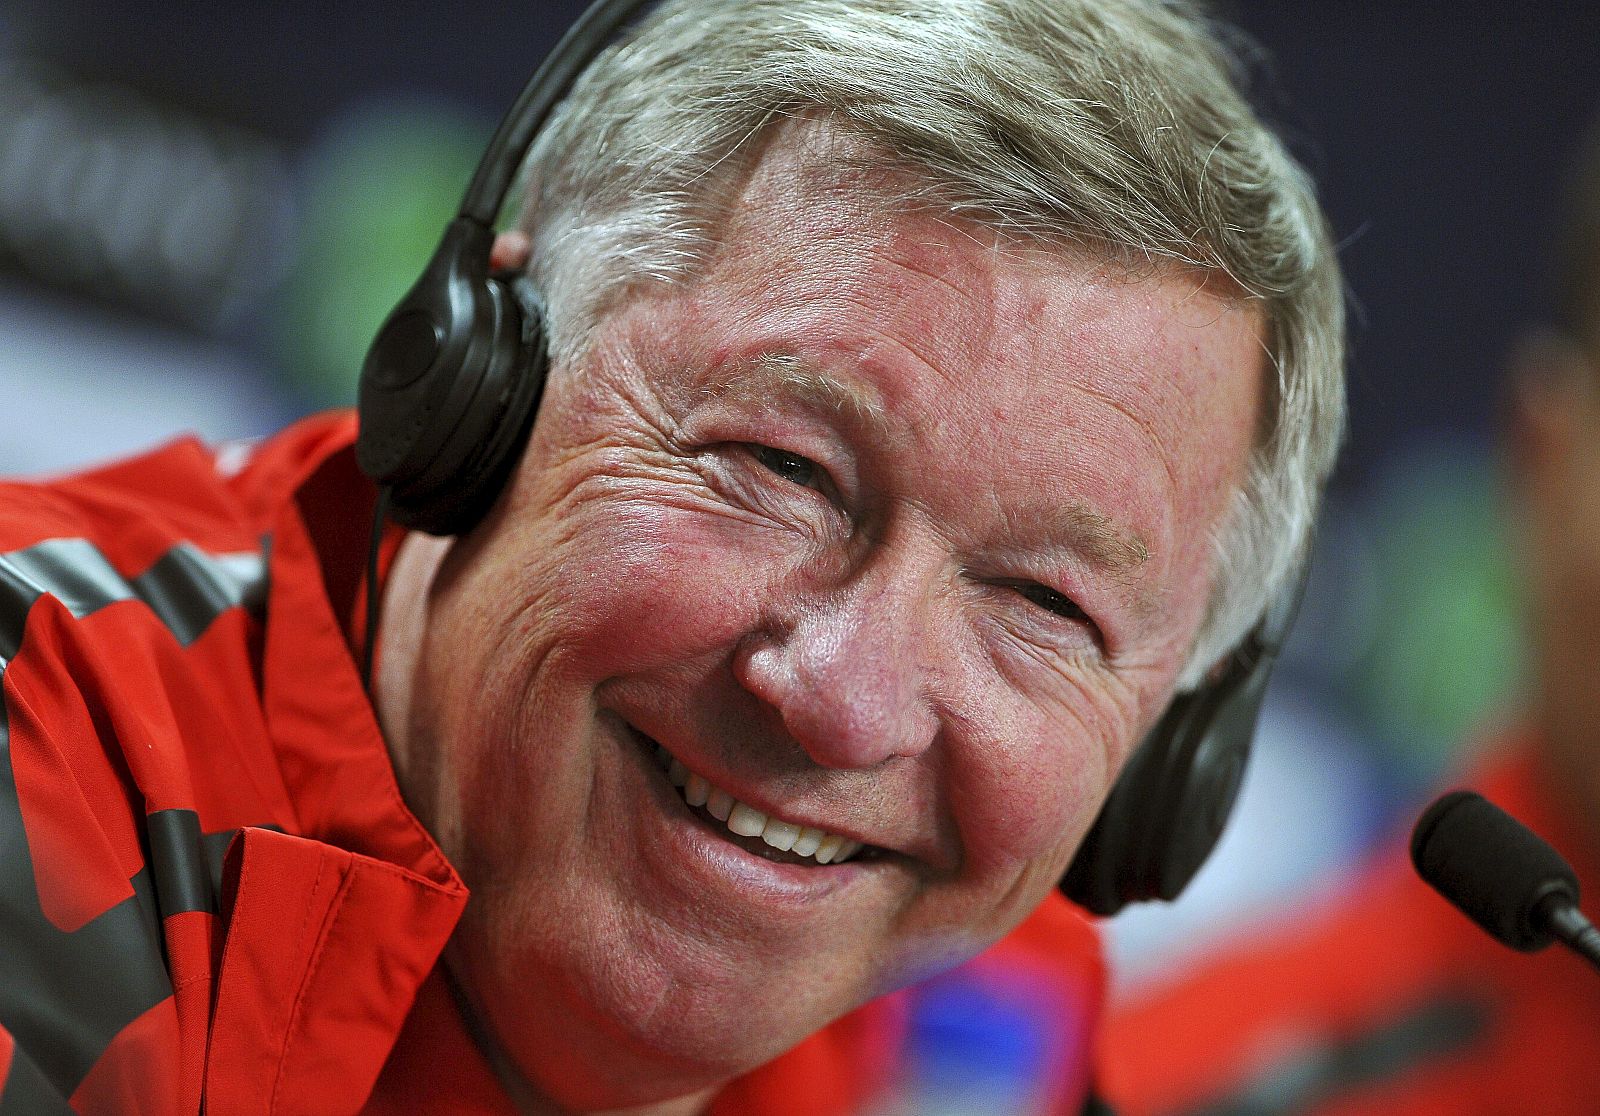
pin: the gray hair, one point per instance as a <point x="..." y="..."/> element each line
<point x="1116" y="124"/>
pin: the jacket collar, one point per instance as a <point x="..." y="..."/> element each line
<point x="331" y="928"/>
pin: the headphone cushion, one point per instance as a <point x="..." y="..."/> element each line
<point x="484" y="424"/>
<point x="1167" y="810"/>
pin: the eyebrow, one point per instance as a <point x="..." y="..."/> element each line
<point x="1099" y="539"/>
<point x="771" y="375"/>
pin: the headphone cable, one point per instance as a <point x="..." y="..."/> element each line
<point x="380" y="512"/>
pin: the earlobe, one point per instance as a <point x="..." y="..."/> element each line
<point x="401" y="631"/>
<point x="511" y="251"/>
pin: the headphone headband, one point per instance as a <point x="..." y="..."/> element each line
<point x="453" y="379"/>
<point x="573" y="53"/>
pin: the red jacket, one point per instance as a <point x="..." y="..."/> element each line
<point x="1390" y="1002"/>
<point x="209" y="885"/>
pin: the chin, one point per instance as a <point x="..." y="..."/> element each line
<point x="631" y="1012"/>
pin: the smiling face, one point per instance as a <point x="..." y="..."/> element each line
<point x="882" y="532"/>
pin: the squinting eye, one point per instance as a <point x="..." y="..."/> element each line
<point x="790" y="466"/>
<point x="1052" y="601"/>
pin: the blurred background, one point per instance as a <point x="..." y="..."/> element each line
<point x="206" y="209"/>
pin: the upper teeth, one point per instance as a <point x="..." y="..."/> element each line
<point x="747" y="821"/>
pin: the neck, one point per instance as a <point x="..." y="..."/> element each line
<point x="528" y="1100"/>
<point x="402" y="626"/>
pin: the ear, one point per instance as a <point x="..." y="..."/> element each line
<point x="1552" y="393"/>
<point x="510" y="251"/>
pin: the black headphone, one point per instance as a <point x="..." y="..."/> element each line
<point x="447" y="398"/>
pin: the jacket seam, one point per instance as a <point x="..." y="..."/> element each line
<point x="311" y="971"/>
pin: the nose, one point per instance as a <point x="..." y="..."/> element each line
<point x="849" y="672"/>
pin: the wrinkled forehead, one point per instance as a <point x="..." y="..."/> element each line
<point x="828" y="180"/>
<point x="825" y="157"/>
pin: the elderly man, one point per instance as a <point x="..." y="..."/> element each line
<point x="933" y="389"/>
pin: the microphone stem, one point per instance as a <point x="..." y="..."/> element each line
<point x="1568" y="923"/>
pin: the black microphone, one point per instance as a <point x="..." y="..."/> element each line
<point x="1501" y="875"/>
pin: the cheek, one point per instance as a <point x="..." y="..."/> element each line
<point x="1024" y="809"/>
<point x="639" y="583"/>
<point x="1021" y="818"/>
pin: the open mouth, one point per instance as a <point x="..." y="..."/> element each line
<point x="749" y="828"/>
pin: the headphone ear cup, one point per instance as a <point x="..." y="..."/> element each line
<point x="481" y="423"/>
<point x="1098" y="877"/>
<point x="1169" y="806"/>
<point x="450" y="388"/>
<point x="1167" y="810"/>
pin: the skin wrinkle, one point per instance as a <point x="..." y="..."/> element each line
<point x="1076" y="535"/>
<point x="670" y="448"/>
<point x="977" y="297"/>
<point x="1121" y="167"/>
<point x="1155" y="439"/>
<point x="631" y="398"/>
<point x="940" y="276"/>
<point x="665" y="478"/>
<point x="1086" y="703"/>
<point x="1135" y="421"/>
<point x="952" y="285"/>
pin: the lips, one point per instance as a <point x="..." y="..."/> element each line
<point x="762" y="833"/>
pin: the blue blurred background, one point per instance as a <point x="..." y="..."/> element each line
<point x="205" y="210"/>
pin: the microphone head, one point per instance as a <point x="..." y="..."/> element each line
<point x="1493" y="868"/>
